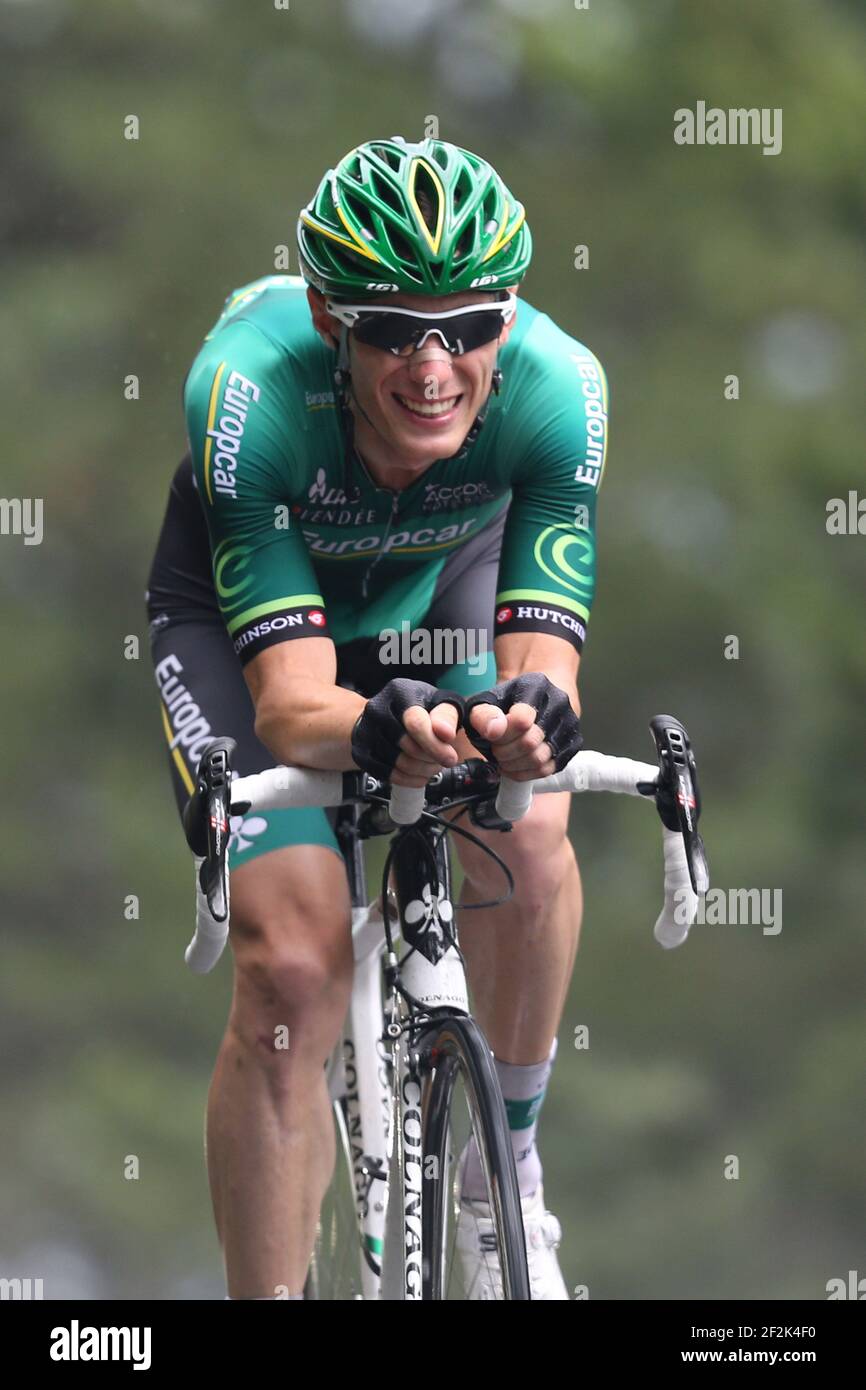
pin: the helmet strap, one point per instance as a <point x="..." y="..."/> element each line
<point x="495" y="388"/>
<point x="343" y="378"/>
<point x="343" y="383"/>
<point x="342" y="371"/>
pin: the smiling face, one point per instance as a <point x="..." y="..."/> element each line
<point x="413" y="409"/>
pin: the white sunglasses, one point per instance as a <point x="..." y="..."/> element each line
<point x="394" y="329"/>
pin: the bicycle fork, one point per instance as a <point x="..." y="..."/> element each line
<point x="362" y="1085"/>
<point x="380" y="1082"/>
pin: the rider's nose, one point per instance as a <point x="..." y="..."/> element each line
<point x="431" y="367"/>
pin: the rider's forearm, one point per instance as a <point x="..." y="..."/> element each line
<point x="308" y="723"/>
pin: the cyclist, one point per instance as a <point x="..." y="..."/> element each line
<point x="383" y="455"/>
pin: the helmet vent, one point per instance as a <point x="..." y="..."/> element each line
<point x="427" y="197"/>
<point x="387" y="194"/>
<point x="462" y="188"/>
<point x="465" y="244"/>
<point x="360" y="212"/>
<point x="347" y="263"/>
<point x="392" y="157"/>
<point x="402" y="250"/>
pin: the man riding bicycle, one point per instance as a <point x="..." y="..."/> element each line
<point x="389" y="447"/>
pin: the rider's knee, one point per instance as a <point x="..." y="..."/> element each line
<point x="292" y="948"/>
<point x="538" y="853"/>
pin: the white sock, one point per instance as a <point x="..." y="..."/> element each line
<point x="523" y="1090"/>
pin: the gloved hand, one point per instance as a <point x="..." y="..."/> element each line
<point x="535" y="741"/>
<point x="383" y="742"/>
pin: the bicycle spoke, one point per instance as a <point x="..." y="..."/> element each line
<point x="463" y="1126"/>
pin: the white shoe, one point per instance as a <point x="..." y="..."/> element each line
<point x="476" y="1243"/>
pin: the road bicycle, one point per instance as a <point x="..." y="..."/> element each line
<point x="412" y="1078"/>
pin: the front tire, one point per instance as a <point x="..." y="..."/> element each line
<point x="334" y="1273"/>
<point x="461" y="1097"/>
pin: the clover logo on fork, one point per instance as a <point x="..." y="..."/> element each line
<point x="426" y="916"/>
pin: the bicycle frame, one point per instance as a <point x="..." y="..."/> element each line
<point x="373" y="1088"/>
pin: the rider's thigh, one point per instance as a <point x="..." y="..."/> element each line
<point x="292" y="942"/>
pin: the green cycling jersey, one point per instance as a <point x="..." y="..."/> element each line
<point x="303" y="546"/>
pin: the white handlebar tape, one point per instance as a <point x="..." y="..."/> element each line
<point x="513" y="799"/>
<point x="681" y="901"/>
<point x="281" y="788"/>
<point x="406" y="806"/>
<point x="598" y="772"/>
<point x="210" y="936"/>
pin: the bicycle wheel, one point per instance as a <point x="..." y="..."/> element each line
<point x="335" y="1267"/>
<point x="461" y="1098"/>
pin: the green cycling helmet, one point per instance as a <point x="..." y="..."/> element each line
<point x="427" y="218"/>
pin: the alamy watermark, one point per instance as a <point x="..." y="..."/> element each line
<point x="22" y="516"/>
<point x="77" y="1343"/>
<point x="731" y="907"/>
<point x="21" y="1289"/>
<point x="442" y="647"/>
<point x="846" y="517"/>
<point x="738" y="125"/>
<point x="853" y="1287"/>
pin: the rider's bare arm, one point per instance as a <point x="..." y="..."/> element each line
<point x="302" y="716"/>
<point x="304" y="719"/>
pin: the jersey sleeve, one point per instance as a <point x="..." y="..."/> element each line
<point x="239" y="423"/>
<point x="559" y="426"/>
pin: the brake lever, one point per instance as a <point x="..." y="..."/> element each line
<point x="677" y="797"/>
<point x="206" y="820"/>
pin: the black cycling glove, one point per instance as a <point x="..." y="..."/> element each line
<point x="377" y="734"/>
<point x="557" y="720"/>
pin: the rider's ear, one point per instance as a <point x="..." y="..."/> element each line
<point x="324" y="323"/>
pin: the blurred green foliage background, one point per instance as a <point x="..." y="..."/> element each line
<point x="704" y="261"/>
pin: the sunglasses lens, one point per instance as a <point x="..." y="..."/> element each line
<point x="396" y="332"/>
<point x="477" y="329"/>
<point x="393" y="332"/>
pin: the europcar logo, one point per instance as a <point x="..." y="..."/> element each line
<point x="397" y="543"/>
<point x="590" y="471"/>
<point x="225" y="438"/>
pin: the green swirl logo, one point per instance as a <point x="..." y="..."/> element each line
<point x="566" y="556"/>
<point x="231" y="573"/>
